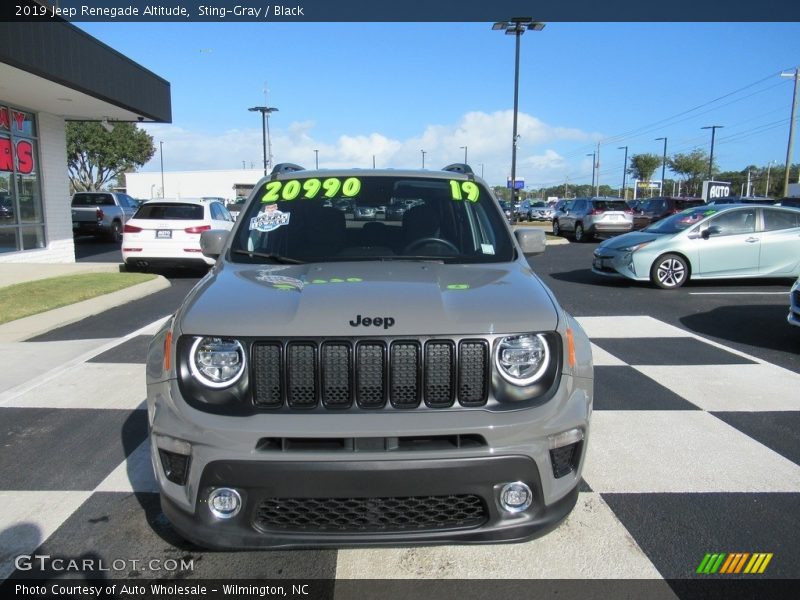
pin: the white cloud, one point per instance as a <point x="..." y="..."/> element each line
<point x="486" y="135"/>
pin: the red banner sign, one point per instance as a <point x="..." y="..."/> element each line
<point x="22" y="155"/>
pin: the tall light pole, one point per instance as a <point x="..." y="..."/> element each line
<point x="624" y="172"/>
<point x="161" y="154"/>
<point x="481" y="170"/>
<point x="265" y="112"/>
<point x="516" y="27"/>
<point x="464" y="148"/>
<point x="423" y="158"/>
<point x="593" y="155"/>
<point x="663" y="162"/>
<point x="316" y="159"/>
<point x="796" y="76"/>
<point x="713" y="129"/>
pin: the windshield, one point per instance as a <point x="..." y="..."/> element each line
<point x="368" y="217"/>
<point x="681" y="221"/>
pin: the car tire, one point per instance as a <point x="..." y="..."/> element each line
<point x="115" y="234"/>
<point x="556" y="229"/>
<point x="580" y="234"/>
<point x="669" y="271"/>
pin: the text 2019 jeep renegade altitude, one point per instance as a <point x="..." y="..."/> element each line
<point x="338" y="382"/>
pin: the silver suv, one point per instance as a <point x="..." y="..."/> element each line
<point x="586" y="217"/>
<point x="335" y="382"/>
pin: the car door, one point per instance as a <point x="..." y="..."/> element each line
<point x="220" y="217"/>
<point x="730" y="247"/>
<point x="780" y="242"/>
<point x="566" y="220"/>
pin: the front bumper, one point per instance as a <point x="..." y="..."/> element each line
<point x="228" y="451"/>
<point x="794" y="309"/>
<point x="384" y="483"/>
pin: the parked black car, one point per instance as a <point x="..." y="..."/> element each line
<point x="655" y="209"/>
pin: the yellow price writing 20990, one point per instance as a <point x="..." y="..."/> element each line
<point x="311" y="188"/>
<point x="464" y="190"/>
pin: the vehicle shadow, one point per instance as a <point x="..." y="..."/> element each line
<point x="758" y="325"/>
<point x="90" y="247"/>
<point x="587" y="277"/>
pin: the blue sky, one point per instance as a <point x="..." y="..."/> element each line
<point x="392" y="89"/>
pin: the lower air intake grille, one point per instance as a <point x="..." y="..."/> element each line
<point x="357" y="515"/>
<point x="565" y="459"/>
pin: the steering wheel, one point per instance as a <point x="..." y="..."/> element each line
<point x="429" y="240"/>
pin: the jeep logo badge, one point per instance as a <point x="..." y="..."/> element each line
<point x="384" y="322"/>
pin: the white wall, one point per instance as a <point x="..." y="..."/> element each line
<point x="52" y="167"/>
<point x="189" y="184"/>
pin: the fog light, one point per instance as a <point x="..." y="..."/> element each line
<point x="515" y="497"/>
<point x="224" y="503"/>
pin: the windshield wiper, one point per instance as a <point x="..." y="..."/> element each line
<point x="276" y="257"/>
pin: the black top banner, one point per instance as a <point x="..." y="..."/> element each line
<point x="399" y="10"/>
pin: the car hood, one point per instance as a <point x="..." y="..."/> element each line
<point x="334" y="299"/>
<point x="629" y="239"/>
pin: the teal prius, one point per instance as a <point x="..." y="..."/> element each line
<point x="707" y="242"/>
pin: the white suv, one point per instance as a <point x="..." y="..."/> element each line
<point x="166" y="233"/>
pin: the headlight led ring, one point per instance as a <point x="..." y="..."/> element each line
<point x="217" y="362"/>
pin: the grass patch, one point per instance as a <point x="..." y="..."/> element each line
<point x="33" y="297"/>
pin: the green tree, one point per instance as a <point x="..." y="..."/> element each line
<point x="643" y="166"/>
<point x="95" y="156"/>
<point x="691" y="167"/>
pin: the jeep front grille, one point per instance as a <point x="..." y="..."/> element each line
<point x="370" y="374"/>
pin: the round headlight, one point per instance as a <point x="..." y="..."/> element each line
<point x="522" y="359"/>
<point x="217" y="362"/>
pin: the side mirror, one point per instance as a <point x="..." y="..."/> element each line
<point x="532" y="241"/>
<point x="212" y="242"/>
<point x="711" y="230"/>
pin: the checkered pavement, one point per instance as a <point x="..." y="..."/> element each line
<point x="694" y="448"/>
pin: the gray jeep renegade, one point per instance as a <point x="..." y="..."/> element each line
<point x="335" y="382"/>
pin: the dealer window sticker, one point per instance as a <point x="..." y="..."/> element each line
<point x="269" y="220"/>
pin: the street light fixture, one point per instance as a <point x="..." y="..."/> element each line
<point x="464" y="148"/>
<point x="423" y="158"/>
<point x="624" y="173"/>
<point x="713" y="129"/>
<point x="516" y="27"/>
<point x="265" y="112"/>
<point x="663" y="162"/>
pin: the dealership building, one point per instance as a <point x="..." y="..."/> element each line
<point x="51" y="73"/>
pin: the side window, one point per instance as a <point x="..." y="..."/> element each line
<point x="735" y="222"/>
<point x="581" y="206"/>
<point x="106" y="200"/>
<point x="226" y="215"/>
<point x="775" y="220"/>
<point x="216" y="214"/>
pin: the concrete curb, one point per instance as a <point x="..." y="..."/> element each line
<point x="28" y="327"/>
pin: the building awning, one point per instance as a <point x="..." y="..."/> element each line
<point x="55" y="67"/>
